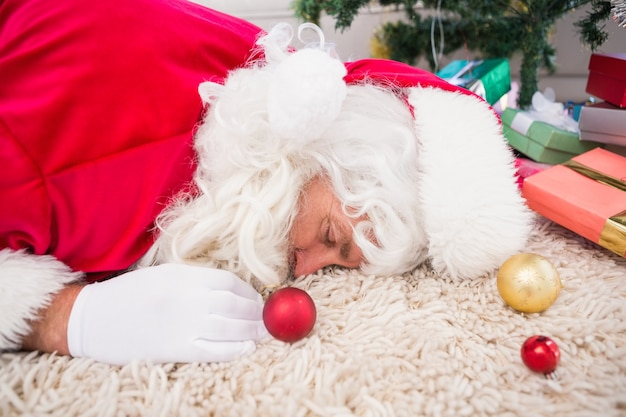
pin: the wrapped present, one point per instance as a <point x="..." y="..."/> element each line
<point x="586" y="194"/>
<point x="541" y="141"/>
<point x="573" y="108"/>
<point x="525" y="167"/>
<point x="607" y="78"/>
<point x="603" y="122"/>
<point x="489" y="78"/>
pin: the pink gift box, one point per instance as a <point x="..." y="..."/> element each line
<point x="587" y="195"/>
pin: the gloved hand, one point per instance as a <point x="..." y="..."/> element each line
<point x="166" y="313"/>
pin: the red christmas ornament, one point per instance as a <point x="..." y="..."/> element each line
<point x="289" y="314"/>
<point x="541" y="354"/>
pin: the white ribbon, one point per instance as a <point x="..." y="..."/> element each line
<point x="521" y="122"/>
<point x="544" y="109"/>
<point x="547" y="110"/>
<point x="457" y="79"/>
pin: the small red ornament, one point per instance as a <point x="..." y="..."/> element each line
<point x="289" y="314"/>
<point x="541" y="354"/>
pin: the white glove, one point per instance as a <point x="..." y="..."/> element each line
<point x="166" y="313"/>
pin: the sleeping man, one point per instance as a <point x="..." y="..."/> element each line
<point x="161" y="162"/>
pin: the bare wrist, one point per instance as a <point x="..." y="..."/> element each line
<point x="49" y="330"/>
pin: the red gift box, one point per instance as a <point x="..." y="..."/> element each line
<point x="586" y="194"/>
<point x="607" y="78"/>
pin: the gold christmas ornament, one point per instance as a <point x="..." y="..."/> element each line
<point x="378" y="47"/>
<point x="528" y="282"/>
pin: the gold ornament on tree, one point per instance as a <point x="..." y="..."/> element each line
<point x="378" y="48"/>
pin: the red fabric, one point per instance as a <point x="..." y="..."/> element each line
<point x="396" y="74"/>
<point x="98" y="100"/>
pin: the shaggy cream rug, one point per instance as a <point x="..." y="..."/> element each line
<point x="413" y="345"/>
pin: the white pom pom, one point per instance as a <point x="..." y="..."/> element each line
<point x="306" y="93"/>
<point x="208" y="90"/>
<point x="276" y="42"/>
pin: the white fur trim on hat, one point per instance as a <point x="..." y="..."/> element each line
<point x="474" y="215"/>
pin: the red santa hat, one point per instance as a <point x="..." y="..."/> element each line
<point x="471" y="212"/>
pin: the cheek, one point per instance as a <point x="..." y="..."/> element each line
<point x="298" y="233"/>
<point x="303" y="229"/>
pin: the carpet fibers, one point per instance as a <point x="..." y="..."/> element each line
<point x="412" y="345"/>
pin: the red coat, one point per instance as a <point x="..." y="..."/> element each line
<point x="98" y="101"/>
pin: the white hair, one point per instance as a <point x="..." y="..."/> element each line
<point x="249" y="178"/>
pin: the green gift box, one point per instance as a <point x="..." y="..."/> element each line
<point x="541" y="141"/>
<point x="489" y="78"/>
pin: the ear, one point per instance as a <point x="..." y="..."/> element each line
<point x="474" y="215"/>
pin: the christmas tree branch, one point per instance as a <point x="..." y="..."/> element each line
<point x="494" y="28"/>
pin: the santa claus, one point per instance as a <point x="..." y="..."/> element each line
<point x="162" y="160"/>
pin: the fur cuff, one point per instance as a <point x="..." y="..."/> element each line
<point x="474" y="215"/>
<point x="27" y="284"/>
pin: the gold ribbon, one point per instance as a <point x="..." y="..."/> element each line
<point x="596" y="175"/>
<point x="613" y="235"/>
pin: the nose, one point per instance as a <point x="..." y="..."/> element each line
<point x="308" y="262"/>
